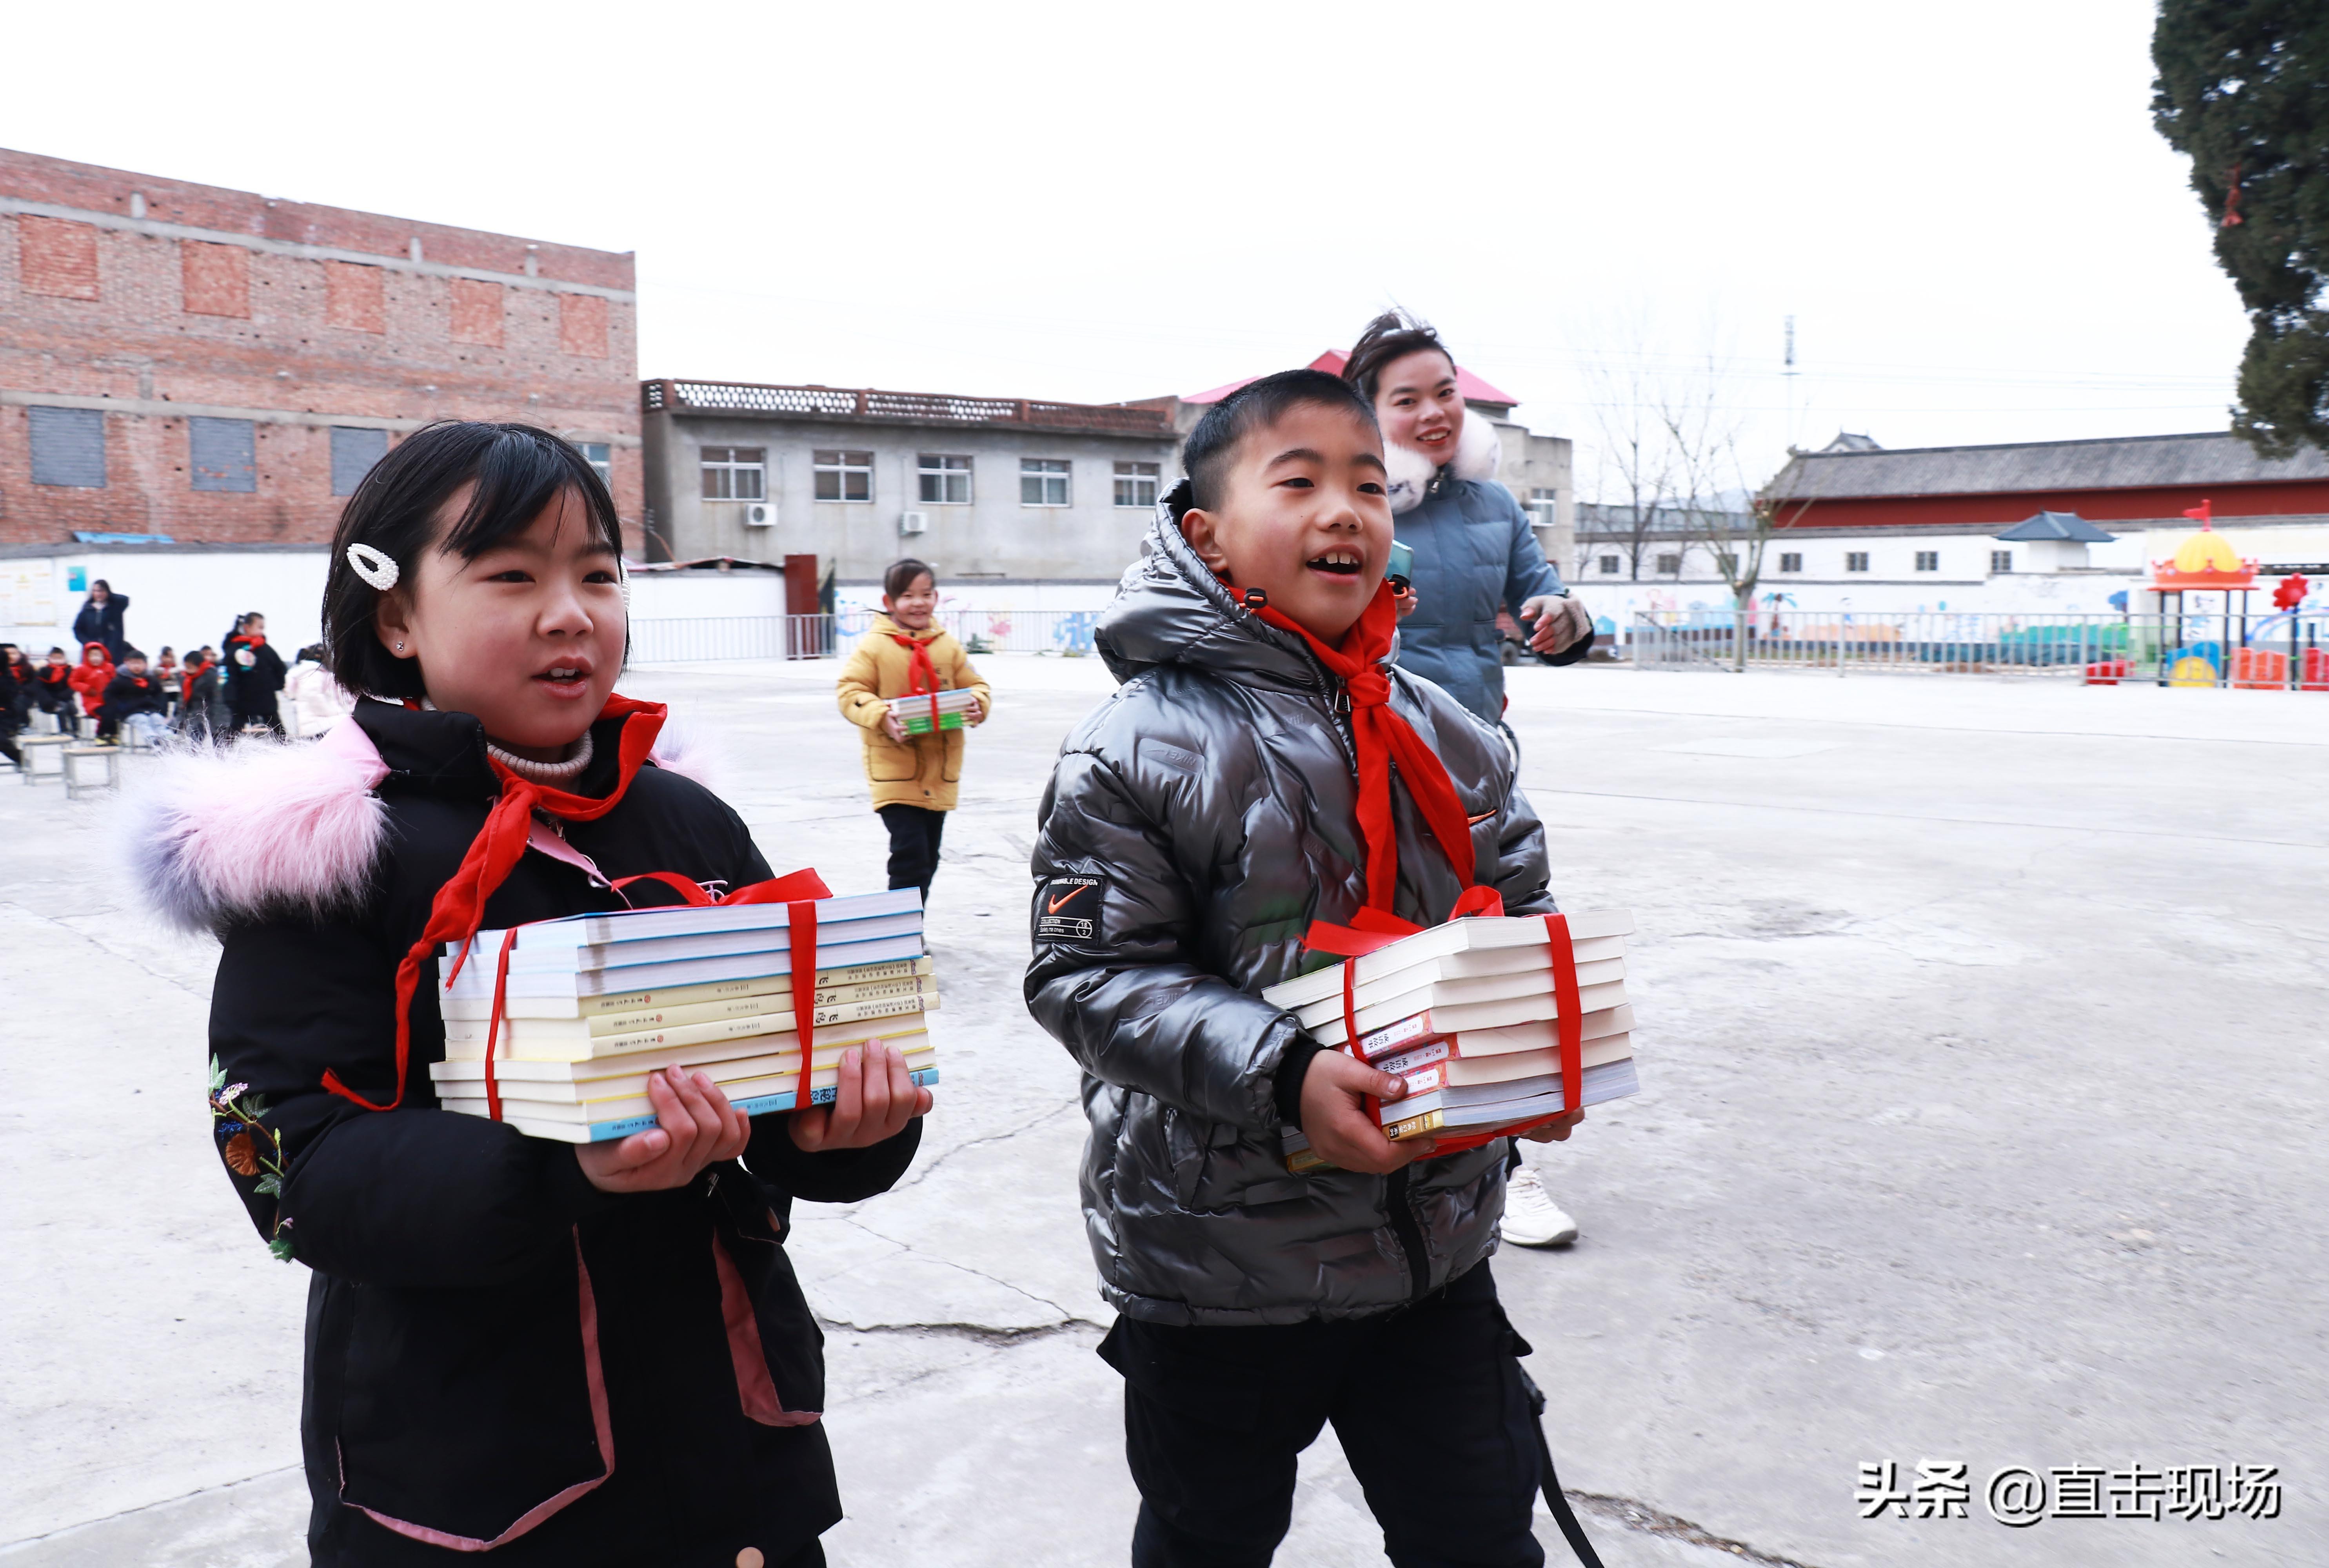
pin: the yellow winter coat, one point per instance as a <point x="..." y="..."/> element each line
<point x="922" y="770"/>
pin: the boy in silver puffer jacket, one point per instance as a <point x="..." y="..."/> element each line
<point x="1195" y="826"/>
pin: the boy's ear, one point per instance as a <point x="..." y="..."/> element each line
<point x="1203" y="531"/>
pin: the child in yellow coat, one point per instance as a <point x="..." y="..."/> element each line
<point x="915" y="776"/>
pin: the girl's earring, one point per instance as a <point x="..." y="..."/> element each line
<point x="399" y="647"/>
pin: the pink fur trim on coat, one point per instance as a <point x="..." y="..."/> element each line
<point x="281" y="826"/>
<point x="290" y="826"/>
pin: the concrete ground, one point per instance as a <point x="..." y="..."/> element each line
<point x="1981" y="1122"/>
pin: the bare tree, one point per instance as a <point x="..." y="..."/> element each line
<point x="1700" y="420"/>
<point x="1633" y="461"/>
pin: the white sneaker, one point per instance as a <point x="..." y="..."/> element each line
<point x="1531" y="1219"/>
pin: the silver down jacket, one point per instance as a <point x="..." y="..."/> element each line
<point x="1195" y="824"/>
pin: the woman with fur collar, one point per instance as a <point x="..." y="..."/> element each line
<point x="1475" y="550"/>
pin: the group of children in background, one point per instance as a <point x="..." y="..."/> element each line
<point x="495" y="1317"/>
<point x="213" y="695"/>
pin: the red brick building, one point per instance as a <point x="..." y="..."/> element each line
<point x="219" y="368"/>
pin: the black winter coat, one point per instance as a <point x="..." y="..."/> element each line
<point x="99" y="623"/>
<point x="250" y="692"/>
<point x="126" y="694"/>
<point x="496" y="1350"/>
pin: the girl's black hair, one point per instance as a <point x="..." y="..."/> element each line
<point x="1212" y="448"/>
<point x="518" y="470"/>
<point x="1392" y="335"/>
<point x="902" y="575"/>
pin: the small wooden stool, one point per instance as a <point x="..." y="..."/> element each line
<point x="75" y="756"/>
<point x="31" y="747"/>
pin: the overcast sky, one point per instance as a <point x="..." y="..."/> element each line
<point x="1964" y="208"/>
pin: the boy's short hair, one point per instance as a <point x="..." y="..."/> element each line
<point x="902" y="575"/>
<point x="129" y="653"/>
<point x="1212" y="446"/>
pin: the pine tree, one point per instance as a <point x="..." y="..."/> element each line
<point x="2243" y="90"/>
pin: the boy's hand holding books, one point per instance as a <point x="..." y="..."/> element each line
<point x="1335" y="1119"/>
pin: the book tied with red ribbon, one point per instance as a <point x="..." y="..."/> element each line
<point x="556" y="1026"/>
<point x="1497" y="1024"/>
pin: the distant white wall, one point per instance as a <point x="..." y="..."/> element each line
<point x="182" y="599"/>
<point x="687" y="596"/>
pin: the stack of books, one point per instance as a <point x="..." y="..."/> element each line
<point x="914" y="712"/>
<point x="593" y="1004"/>
<point x="1466" y="1013"/>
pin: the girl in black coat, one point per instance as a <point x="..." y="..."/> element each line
<point x="253" y="673"/>
<point x="567" y="1355"/>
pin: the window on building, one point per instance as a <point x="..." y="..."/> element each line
<point x="844" y="476"/>
<point x="1136" y="484"/>
<point x="2001" y="560"/>
<point x="68" y="447"/>
<point x="1545" y="508"/>
<point x="1929" y="560"/>
<point x="353" y="452"/>
<point x="1044" y="482"/>
<point x="735" y="473"/>
<point x="945" y="480"/>
<point x="1855" y="560"/>
<point x="1789" y="561"/>
<point x="223" y="454"/>
<point x="1670" y="564"/>
<point x="600" y="455"/>
<point x="1611" y="566"/>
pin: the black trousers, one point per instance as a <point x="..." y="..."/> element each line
<point x="1427" y="1401"/>
<point x="914" y="835"/>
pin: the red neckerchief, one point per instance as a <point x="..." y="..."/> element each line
<point x="1382" y="738"/>
<point x="459" y="907"/>
<point x="925" y="675"/>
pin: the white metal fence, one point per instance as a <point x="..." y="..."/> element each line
<point x="2260" y="653"/>
<point x="699" y="639"/>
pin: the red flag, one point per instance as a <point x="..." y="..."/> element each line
<point x="2200" y="512"/>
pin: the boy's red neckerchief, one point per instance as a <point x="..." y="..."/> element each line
<point x="925" y="675"/>
<point x="1382" y="738"/>
<point x="459" y="907"/>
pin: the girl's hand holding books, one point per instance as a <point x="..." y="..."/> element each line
<point x="699" y="1128"/>
<point x="1335" y="1118"/>
<point x="890" y="726"/>
<point x="872" y="1103"/>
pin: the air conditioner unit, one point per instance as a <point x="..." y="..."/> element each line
<point x="913" y="522"/>
<point x="760" y="514"/>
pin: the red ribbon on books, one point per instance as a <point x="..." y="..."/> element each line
<point x="785" y="889"/>
<point x="795" y="888"/>
<point x="924" y="676"/>
<point x="803" y="928"/>
<point x="1372" y="928"/>
<point x="1571" y="1025"/>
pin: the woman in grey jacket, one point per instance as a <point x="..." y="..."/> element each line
<point x="1475" y="552"/>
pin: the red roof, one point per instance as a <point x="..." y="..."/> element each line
<point x="1473" y="388"/>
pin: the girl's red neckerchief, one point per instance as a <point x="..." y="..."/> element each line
<point x="925" y="675"/>
<point x="459" y="907"/>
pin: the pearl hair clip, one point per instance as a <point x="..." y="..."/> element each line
<point x="375" y="567"/>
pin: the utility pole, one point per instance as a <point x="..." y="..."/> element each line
<point x="1787" y="378"/>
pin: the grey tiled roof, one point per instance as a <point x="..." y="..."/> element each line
<point x="2067" y="525"/>
<point x="2211" y="457"/>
